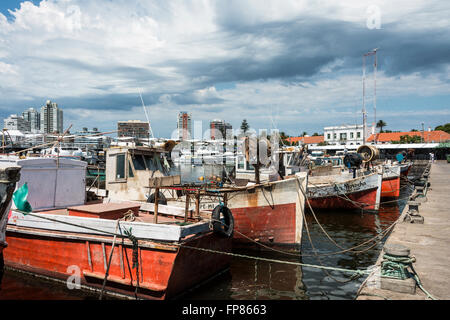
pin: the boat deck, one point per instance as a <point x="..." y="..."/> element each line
<point x="143" y="216"/>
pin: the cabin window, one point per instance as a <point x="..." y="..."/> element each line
<point x="120" y="166"/>
<point x="138" y="162"/>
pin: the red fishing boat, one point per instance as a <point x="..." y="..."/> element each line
<point x="108" y="246"/>
<point x="390" y="187"/>
<point x="342" y="191"/>
<point x="268" y="212"/>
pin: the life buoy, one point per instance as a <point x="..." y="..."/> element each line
<point x="225" y="228"/>
<point x="161" y="198"/>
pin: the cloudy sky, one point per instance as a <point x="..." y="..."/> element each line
<point x="288" y="64"/>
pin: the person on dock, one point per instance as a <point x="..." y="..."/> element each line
<point x="432" y="157"/>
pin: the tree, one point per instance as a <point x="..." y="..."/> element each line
<point x="315" y="134"/>
<point x="244" y="126"/>
<point x="408" y="139"/>
<point x="445" y="127"/>
<point x="381" y="124"/>
<point x="304" y="133"/>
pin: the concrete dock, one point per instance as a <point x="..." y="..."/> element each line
<point x="429" y="243"/>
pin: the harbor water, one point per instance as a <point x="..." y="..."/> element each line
<point x="253" y="279"/>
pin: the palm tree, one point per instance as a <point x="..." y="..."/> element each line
<point x="244" y="126"/>
<point x="381" y="124"/>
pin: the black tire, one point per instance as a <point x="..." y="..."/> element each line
<point x="161" y="198"/>
<point x="227" y="227"/>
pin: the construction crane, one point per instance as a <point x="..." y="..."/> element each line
<point x="146" y="115"/>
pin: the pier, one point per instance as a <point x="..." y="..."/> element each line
<point x="428" y="241"/>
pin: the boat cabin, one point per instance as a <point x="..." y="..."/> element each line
<point x="128" y="170"/>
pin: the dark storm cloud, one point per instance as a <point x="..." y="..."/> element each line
<point x="96" y="102"/>
<point x="309" y="44"/>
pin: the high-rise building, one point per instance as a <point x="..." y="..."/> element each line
<point x="133" y="128"/>
<point x="34" y="118"/>
<point x="219" y="129"/>
<point x="16" y="122"/>
<point x="184" y="126"/>
<point x="51" y="118"/>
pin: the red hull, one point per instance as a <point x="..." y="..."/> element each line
<point x="390" y="188"/>
<point x="365" y="199"/>
<point x="265" y="224"/>
<point x="164" y="270"/>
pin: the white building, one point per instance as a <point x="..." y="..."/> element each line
<point x="16" y="122"/>
<point x="345" y="135"/>
<point x="51" y="118"/>
<point x="34" y="118"/>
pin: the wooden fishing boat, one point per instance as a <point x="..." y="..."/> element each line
<point x="269" y="212"/>
<point x="342" y="191"/>
<point x="390" y="187"/>
<point x="115" y="246"/>
<point x="9" y="175"/>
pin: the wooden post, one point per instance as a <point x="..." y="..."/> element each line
<point x="186" y="207"/>
<point x="156" y="203"/>
<point x="225" y="199"/>
<point x="257" y="181"/>
<point x="197" y="204"/>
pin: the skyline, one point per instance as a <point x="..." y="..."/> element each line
<point x="293" y="65"/>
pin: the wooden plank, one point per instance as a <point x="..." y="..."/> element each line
<point x="194" y="228"/>
<point x="168" y="181"/>
<point x="140" y="230"/>
<point x="82" y="237"/>
<point x="169" y="210"/>
<point x="156" y="204"/>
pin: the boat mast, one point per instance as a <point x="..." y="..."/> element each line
<point x="363" y="99"/>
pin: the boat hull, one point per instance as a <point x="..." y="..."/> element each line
<point x="165" y="270"/>
<point x="272" y="214"/>
<point x="362" y="192"/>
<point x="390" y="187"/>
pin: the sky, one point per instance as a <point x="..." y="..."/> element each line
<point x="293" y="65"/>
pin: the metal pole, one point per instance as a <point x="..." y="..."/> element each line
<point x="375" y="94"/>
<point x="363" y="99"/>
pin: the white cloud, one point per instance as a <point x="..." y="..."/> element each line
<point x="177" y="49"/>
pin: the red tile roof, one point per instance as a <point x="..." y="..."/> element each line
<point x="306" y="140"/>
<point x="428" y="136"/>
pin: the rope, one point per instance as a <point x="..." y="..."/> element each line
<point x="135" y="242"/>
<point x="109" y="262"/>
<point x="358" y="272"/>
